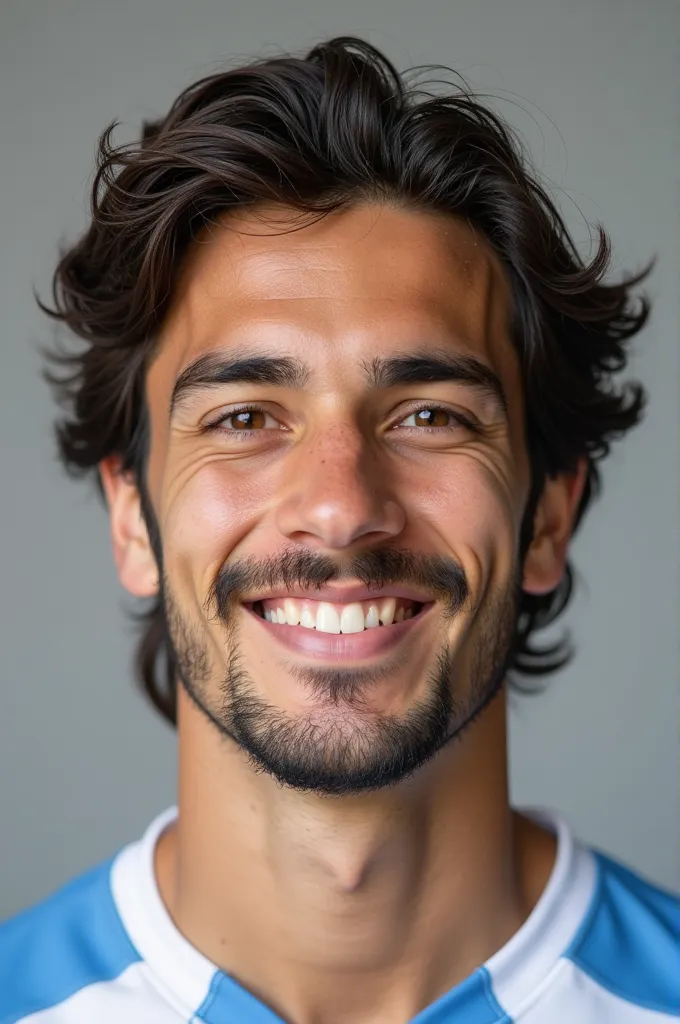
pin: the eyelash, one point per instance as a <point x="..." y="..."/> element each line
<point x="217" y="424"/>
<point x="458" y="417"/>
<point x="461" y="420"/>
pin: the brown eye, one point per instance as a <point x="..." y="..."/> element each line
<point x="428" y="418"/>
<point x="247" y="419"/>
<point x="432" y="418"/>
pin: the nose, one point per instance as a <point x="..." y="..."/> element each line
<point x="337" y="492"/>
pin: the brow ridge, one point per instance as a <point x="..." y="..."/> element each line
<point x="433" y="367"/>
<point x="419" y="367"/>
<point x="214" y="369"/>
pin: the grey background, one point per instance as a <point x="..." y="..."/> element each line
<point x="84" y="764"/>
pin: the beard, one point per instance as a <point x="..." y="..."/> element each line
<point x="342" y="746"/>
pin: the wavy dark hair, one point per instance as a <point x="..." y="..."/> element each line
<point x="320" y="133"/>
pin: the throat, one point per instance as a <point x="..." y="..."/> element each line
<point x="358" y="865"/>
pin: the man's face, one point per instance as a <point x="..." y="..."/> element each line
<point x="339" y="485"/>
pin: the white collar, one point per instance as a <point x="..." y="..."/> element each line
<point x="517" y="969"/>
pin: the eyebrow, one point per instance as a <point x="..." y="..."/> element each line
<point x="215" y="369"/>
<point x="434" y="367"/>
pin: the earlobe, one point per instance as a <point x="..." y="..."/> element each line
<point x="546" y="559"/>
<point x="132" y="552"/>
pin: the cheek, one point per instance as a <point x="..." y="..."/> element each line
<point x="206" y="516"/>
<point x="473" y="508"/>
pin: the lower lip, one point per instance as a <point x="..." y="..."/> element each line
<point x="341" y="646"/>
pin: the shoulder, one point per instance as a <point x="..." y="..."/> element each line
<point x="73" y="939"/>
<point x="629" y="941"/>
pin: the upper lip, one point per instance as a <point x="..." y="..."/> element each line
<point x="346" y="594"/>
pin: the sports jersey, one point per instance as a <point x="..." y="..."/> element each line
<point x="601" y="946"/>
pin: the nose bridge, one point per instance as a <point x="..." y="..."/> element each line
<point x="337" y="489"/>
<point x="334" y="471"/>
<point x="339" y="450"/>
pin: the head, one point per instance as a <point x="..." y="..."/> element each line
<point x="344" y="367"/>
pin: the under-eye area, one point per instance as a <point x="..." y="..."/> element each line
<point x="325" y="617"/>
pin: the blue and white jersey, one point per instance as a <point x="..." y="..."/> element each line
<point x="601" y="946"/>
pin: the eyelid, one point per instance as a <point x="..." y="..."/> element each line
<point x="217" y="422"/>
<point x="464" y="418"/>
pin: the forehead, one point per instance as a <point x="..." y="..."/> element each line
<point x="355" y="283"/>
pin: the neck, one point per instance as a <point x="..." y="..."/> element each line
<point x="328" y="908"/>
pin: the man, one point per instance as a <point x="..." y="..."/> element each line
<point x="345" y="384"/>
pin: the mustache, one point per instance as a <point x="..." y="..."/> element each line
<point x="442" y="576"/>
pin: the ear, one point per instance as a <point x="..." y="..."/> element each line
<point x="132" y="552"/>
<point x="546" y="558"/>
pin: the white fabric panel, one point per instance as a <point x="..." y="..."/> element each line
<point x="569" y="996"/>
<point x="152" y="932"/>
<point x="522" y="964"/>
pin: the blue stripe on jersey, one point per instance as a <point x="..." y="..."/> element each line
<point x="629" y="941"/>
<point x="72" y="939"/>
<point x="472" y="1001"/>
<point x="227" y="1000"/>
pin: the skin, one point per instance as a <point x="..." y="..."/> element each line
<point x="364" y="907"/>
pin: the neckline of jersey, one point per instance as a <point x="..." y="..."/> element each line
<point x="515" y="972"/>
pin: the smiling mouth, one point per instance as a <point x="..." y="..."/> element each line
<point x="324" y="617"/>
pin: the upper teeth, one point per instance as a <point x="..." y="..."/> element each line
<point x="331" y="618"/>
